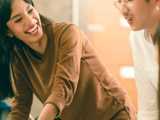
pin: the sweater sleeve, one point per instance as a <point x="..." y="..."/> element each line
<point x="67" y="68"/>
<point x="23" y="94"/>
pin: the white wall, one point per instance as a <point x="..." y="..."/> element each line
<point x="55" y="9"/>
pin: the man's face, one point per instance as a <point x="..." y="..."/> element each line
<point x="140" y="14"/>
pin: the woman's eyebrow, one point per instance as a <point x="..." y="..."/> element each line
<point x="17" y="15"/>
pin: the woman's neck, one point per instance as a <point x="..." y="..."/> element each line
<point x="41" y="45"/>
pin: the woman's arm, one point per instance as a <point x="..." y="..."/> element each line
<point x="66" y="74"/>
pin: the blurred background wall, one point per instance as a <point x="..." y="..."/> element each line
<point x="109" y="32"/>
<point x="55" y="9"/>
<point x="104" y="26"/>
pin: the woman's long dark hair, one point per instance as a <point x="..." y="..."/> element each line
<point x="6" y="46"/>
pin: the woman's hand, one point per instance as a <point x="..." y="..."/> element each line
<point x="49" y="112"/>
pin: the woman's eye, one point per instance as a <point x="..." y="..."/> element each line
<point x="17" y="20"/>
<point x="30" y="11"/>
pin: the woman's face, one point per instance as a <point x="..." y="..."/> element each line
<point x="140" y="14"/>
<point x="24" y="22"/>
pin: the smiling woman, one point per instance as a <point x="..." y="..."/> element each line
<point x="24" y="23"/>
<point x="58" y="63"/>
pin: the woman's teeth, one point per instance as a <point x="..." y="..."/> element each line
<point x="33" y="30"/>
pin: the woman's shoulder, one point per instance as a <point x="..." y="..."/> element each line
<point x="64" y="29"/>
<point x="57" y="26"/>
<point x="61" y="26"/>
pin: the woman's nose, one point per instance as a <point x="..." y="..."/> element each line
<point x="29" y="20"/>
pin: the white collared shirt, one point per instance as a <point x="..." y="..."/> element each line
<point x="146" y="75"/>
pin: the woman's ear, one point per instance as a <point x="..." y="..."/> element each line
<point x="10" y="34"/>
